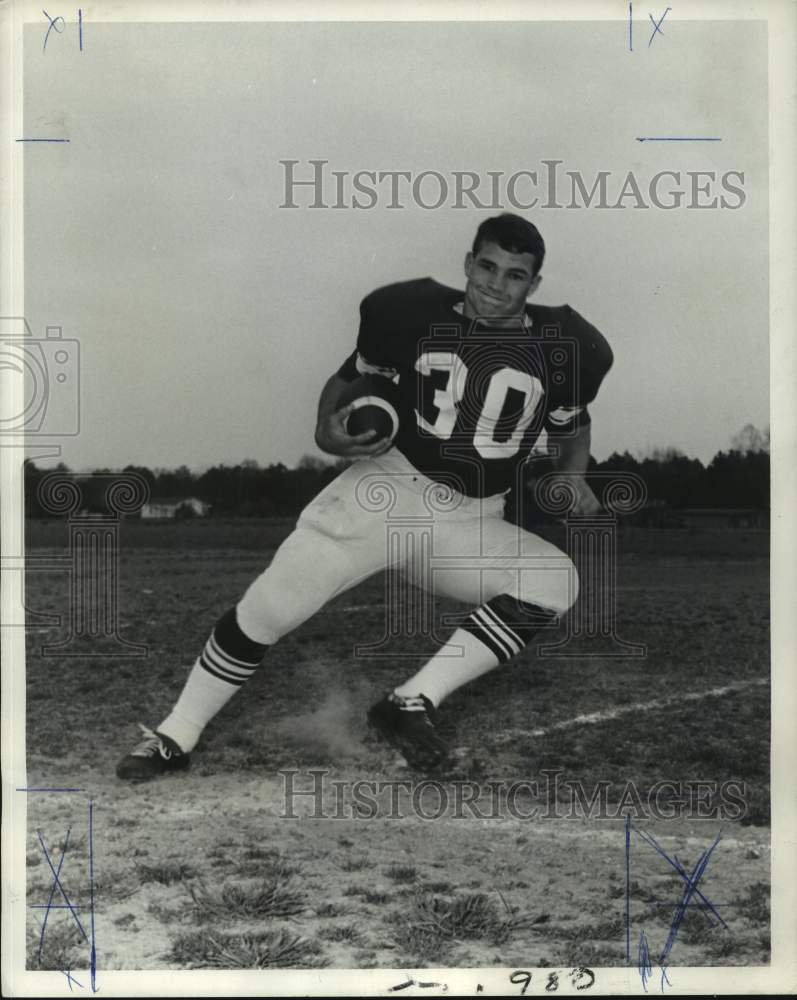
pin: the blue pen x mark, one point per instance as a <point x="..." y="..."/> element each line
<point x="657" y="25"/>
<point x="691" y="884"/>
<point x="57" y="886"/>
<point x="71" y="979"/>
<point x="691" y="896"/>
<point x="53" y="24"/>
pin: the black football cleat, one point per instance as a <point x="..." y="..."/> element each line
<point x="409" y="724"/>
<point x="156" y="754"/>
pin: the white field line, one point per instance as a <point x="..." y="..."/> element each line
<point x="640" y="706"/>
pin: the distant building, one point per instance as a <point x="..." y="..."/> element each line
<point x="175" y="508"/>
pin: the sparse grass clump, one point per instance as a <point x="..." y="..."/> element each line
<point x="601" y="930"/>
<point x="257" y="864"/>
<point x="272" y="861"/>
<point x="353" y="863"/>
<point x="115" y="886"/>
<point x="755" y="904"/>
<point x="471" y="915"/>
<point x="374" y="897"/>
<point x="434" y="920"/>
<point x="700" y="928"/>
<point x="264" y="898"/>
<point x="365" y="958"/>
<point x="75" y="845"/>
<point x="598" y="955"/>
<point x="62" y="947"/>
<point x="256" y="853"/>
<point x="277" y="949"/>
<point x="169" y="915"/>
<point x="334" y="909"/>
<point x="439" y="887"/>
<point x="342" y="933"/>
<point x="723" y="945"/>
<point x="165" y="872"/>
<point x="402" y="873"/>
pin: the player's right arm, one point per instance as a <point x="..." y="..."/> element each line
<point x="372" y="356"/>
<point x="330" y="433"/>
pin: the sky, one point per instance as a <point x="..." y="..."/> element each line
<point x="208" y="317"/>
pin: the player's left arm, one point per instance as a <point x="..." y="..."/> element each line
<point x="572" y="421"/>
<point x="572" y="459"/>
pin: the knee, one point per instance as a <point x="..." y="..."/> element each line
<point x="259" y="618"/>
<point x="303" y="575"/>
<point x="553" y="587"/>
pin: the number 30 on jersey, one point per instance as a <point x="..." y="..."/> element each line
<point x="510" y="398"/>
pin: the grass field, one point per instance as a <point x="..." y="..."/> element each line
<point x="203" y="870"/>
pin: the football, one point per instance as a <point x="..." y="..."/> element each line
<point x="376" y="406"/>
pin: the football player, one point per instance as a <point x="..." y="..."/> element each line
<point x="480" y="376"/>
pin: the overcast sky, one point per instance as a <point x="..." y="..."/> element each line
<point x="209" y="317"/>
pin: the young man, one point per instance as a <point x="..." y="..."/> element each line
<point x="479" y="377"/>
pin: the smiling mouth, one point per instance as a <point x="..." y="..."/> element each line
<point x="490" y="297"/>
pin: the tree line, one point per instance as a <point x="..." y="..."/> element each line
<point x="737" y="478"/>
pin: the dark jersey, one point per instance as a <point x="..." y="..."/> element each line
<point x="474" y="398"/>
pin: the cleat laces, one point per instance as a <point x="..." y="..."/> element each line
<point x="150" y="745"/>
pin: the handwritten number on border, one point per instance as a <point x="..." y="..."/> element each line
<point x="581" y="978"/>
<point x="521" y="976"/>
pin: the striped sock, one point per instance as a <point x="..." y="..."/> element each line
<point x="228" y="660"/>
<point x="489" y="636"/>
<point x="506" y="625"/>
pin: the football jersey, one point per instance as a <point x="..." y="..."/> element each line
<point x="475" y="397"/>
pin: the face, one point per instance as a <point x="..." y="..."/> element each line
<point x="499" y="282"/>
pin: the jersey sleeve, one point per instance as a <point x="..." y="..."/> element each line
<point x="593" y="360"/>
<point x="374" y="354"/>
<point x="356" y="365"/>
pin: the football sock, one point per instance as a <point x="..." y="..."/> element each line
<point x="489" y="636"/>
<point x="228" y="660"/>
<point x="463" y="658"/>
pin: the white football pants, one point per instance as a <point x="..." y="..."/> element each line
<point x="382" y="513"/>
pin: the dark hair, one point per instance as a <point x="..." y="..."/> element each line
<point x="513" y="234"/>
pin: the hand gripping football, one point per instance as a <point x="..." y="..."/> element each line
<point x="375" y="399"/>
